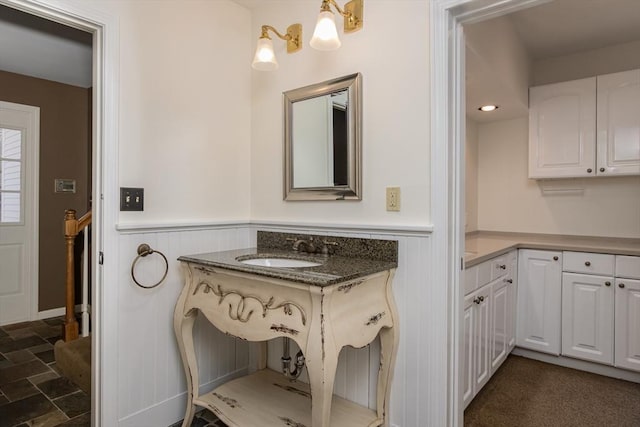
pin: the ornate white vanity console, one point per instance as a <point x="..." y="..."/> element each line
<point x="342" y="301"/>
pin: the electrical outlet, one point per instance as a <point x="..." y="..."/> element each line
<point x="131" y="199"/>
<point x="393" y="199"/>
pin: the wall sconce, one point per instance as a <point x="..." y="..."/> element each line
<point x="265" y="58"/>
<point x="325" y="36"/>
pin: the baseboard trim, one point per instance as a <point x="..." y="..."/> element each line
<point x="581" y="365"/>
<point x="172" y="410"/>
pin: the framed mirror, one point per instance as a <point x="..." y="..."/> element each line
<point x="323" y="140"/>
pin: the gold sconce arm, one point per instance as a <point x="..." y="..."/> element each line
<point x="293" y="37"/>
<point x="352" y="12"/>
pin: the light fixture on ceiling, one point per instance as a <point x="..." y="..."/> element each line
<point x="325" y="36"/>
<point x="265" y="58"/>
<point x="488" y="108"/>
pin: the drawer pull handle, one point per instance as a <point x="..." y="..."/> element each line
<point x="607" y="283"/>
<point x="601" y="169"/>
<point x="502" y="267"/>
<point x="589" y="170"/>
<point x="588" y="264"/>
<point x="509" y="280"/>
<point x="555" y="258"/>
<point x="621" y="285"/>
<point x="476" y="300"/>
<point x="481" y="298"/>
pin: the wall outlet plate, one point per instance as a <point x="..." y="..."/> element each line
<point x="131" y="199"/>
<point x="393" y="199"/>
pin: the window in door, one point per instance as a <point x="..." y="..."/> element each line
<point x="10" y="176"/>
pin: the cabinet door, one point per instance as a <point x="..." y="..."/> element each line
<point x="618" y="123"/>
<point x="539" y="293"/>
<point x="562" y="126"/>
<point x="469" y="341"/>
<point x="587" y="317"/>
<point x="627" y="294"/>
<point x="481" y="350"/>
<point x="512" y="292"/>
<point x="499" y="317"/>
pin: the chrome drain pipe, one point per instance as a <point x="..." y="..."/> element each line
<point x="286" y="361"/>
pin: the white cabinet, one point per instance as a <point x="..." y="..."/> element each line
<point x="499" y="306"/>
<point x="489" y="321"/>
<point x="587" y="127"/>
<point x="587" y="317"/>
<point x="627" y="316"/>
<point x="512" y="292"/>
<point x="627" y="324"/>
<point x="477" y="369"/>
<point x="539" y="300"/>
<point x="618" y="123"/>
<point x="562" y="128"/>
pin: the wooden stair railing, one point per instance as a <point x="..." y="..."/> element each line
<point x="72" y="227"/>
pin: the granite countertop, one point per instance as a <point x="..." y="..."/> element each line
<point x="354" y="258"/>
<point x="483" y="245"/>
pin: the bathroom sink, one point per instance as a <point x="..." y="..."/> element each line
<point x="279" y="262"/>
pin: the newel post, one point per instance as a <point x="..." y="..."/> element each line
<point x="70" y="326"/>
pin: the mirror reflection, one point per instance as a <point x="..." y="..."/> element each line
<point x="322" y="141"/>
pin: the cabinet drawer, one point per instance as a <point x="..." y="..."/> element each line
<point x="498" y="267"/>
<point x="585" y="262"/>
<point x="470" y="279"/>
<point x="628" y="266"/>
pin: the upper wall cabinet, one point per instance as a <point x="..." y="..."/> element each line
<point x="564" y="119"/>
<point x="618" y="123"/>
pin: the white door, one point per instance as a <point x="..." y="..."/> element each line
<point x="562" y="129"/>
<point x="587" y="317"/>
<point x="19" y="138"/>
<point x="627" y="316"/>
<point x="481" y="350"/>
<point x="512" y="292"/>
<point x="619" y="123"/>
<point x="539" y="294"/>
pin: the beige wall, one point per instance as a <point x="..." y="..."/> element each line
<point x="509" y="201"/>
<point x="471" y="176"/>
<point x="184" y="108"/>
<point x="391" y="52"/>
<point x="65" y="141"/>
<point x="610" y="59"/>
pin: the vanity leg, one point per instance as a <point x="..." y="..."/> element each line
<point x="388" y="350"/>
<point x="183" y="327"/>
<point x="321" y="378"/>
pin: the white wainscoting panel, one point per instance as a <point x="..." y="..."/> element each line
<point x="418" y="377"/>
<point x="151" y="380"/>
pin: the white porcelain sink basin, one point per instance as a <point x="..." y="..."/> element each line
<point x="279" y="262"/>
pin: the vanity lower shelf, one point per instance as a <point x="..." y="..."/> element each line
<point x="267" y="398"/>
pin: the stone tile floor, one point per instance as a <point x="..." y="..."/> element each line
<point x="32" y="391"/>
<point x="34" y="394"/>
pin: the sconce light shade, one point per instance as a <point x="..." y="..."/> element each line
<point x="325" y="36"/>
<point x="265" y="58"/>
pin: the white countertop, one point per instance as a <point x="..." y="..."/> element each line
<point x="483" y="245"/>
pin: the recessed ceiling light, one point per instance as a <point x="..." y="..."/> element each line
<point x="487" y="108"/>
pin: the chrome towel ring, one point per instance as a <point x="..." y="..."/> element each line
<point x="143" y="251"/>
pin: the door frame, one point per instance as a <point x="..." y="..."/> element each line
<point x="31" y="189"/>
<point x="104" y="343"/>
<point x="447" y="49"/>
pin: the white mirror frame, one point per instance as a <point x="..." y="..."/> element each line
<point x="353" y="189"/>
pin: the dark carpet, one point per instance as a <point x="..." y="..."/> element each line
<point x="527" y="392"/>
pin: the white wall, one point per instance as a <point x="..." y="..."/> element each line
<point x="509" y="201"/>
<point x="184" y="108"/>
<point x="391" y="52"/>
<point x="471" y="176"/>
<point x="610" y="59"/>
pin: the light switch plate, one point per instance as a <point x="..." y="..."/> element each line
<point x="131" y="199"/>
